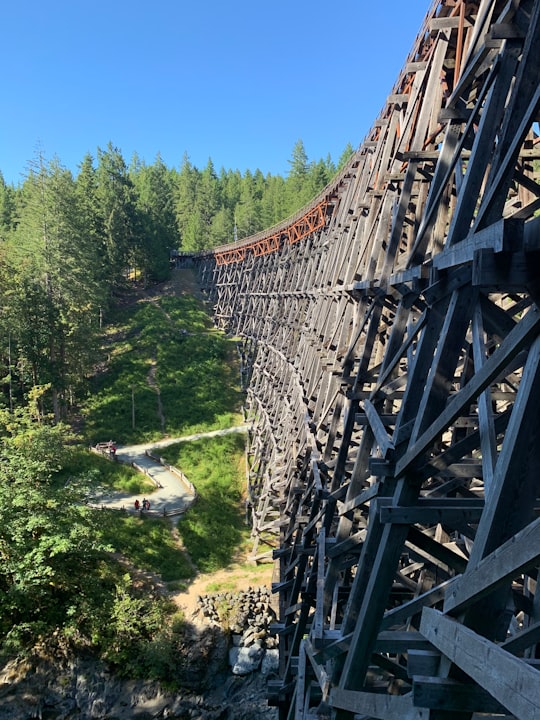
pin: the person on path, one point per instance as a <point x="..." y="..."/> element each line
<point x="137" y="504"/>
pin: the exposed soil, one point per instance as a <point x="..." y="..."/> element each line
<point x="239" y="576"/>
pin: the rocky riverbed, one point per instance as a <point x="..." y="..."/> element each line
<point x="231" y="656"/>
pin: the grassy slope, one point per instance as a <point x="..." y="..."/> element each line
<point x="170" y="365"/>
<point x="197" y="376"/>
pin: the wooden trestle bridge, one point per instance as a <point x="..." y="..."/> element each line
<point x="391" y="355"/>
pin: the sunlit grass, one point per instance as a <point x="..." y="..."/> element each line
<point x="214" y="529"/>
<point x="148" y="543"/>
<point x="196" y="375"/>
<point x="103" y="474"/>
<point x="198" y="381"/>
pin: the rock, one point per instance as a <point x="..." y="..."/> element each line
<point x="245" y="660"/>
<point x="270" y="662"/>
<point x="212" y="688"/>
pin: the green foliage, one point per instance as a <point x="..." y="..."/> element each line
<point x="132" y="620"/>
<point x="57" y="576"/>
<point x="49" y="539"/>
<point x="148" y="543"/>
<point x="103" y="474"/>
<point x="214" y="528"/>
<point x="71" y="245"/>
<point x="196" y="376"/>
<point x="155" y="203"/>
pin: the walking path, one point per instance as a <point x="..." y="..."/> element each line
<point x="174" y="494"/>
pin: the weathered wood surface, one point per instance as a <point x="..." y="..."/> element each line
<point x="390" y="348"/>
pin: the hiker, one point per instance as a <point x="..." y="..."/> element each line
<point x="144" y="503"/>
<point x="137" y="504"/>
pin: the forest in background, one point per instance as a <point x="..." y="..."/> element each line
<point x="69" y="246"/>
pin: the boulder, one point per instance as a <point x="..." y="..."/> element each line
<point x="270" y="662"/>
<point x="245" y="660"/>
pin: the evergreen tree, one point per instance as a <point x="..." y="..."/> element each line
<point x="222" y="228"/>
<point x="91" y="231"/>
<point x="248" y="210"/>
<point x="49" y="538"/>
<point x="231" y="188"/>
<point x="118" y="201"/>
<point x="187" y="184"/>
<point x="196" y="236"/>
<point x="345" y="156"/>
<point x="208" y="199"/>
<point x="52" y="306"/>
<point x="7" y="208"/>
<point x="273" y="202"/>
<point x="297" y="190"/>
<point x="155" y="197"/>
<point x="318" y="177"/>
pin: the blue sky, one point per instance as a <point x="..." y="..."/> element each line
<point x="238" y="82"/>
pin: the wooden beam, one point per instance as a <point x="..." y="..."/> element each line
<point x="514" y="342"/>
<point x="431" y="511"/>
<point x="382" y="438"/>
<point x="506" y="678"/>
<point x="502" y="235"/>
<point x="453" y="696"/>
<point x="375" y="705"/>
<point x="514" y="557"/>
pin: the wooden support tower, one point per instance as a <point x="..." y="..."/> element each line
<point x="391" y="357"/>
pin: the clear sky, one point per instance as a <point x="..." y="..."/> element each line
<point x="238" y="82"/>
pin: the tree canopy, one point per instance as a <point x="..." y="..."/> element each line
<point x="70" y="244"/>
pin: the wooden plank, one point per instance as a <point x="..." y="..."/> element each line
<point x="524" y="639"/>
<point x="320" y="673"/>
<point x="513" y="271"/>
<point x="401" y="641"/>
<point x="506" y="678"/>
<point x="514" y="557"/>
<point x="318" y="620"/>
<point x="382" y="438"/>
<point x="502" y="235"/>
<point x="388" y="641"/>
<point x="515" y="480"/>
<point x="453" y="696"/>
<point x="300" y="683"/>
<point x="488" y="438"/>
<point x="402" y="613"/>
<point x="423" y="662"/>
<point x="440" y="555"/>
<point x="361" y="499"/>
<point x="375" y="705"/>
<point x="431" y="511"/>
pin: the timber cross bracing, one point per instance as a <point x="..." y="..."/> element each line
<point x="391" y="357"/>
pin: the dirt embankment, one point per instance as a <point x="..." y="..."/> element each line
<point x="239" y="576"/>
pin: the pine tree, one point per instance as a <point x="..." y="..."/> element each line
<point x="345" y="156"/>
<point x="155" y="199"/>
<point x="52" y="306"/>
<point x="187" y="184"/>
<point x="7" y="208"/>
<point x="118" y="201"/>
<point x="297" y="191"/>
